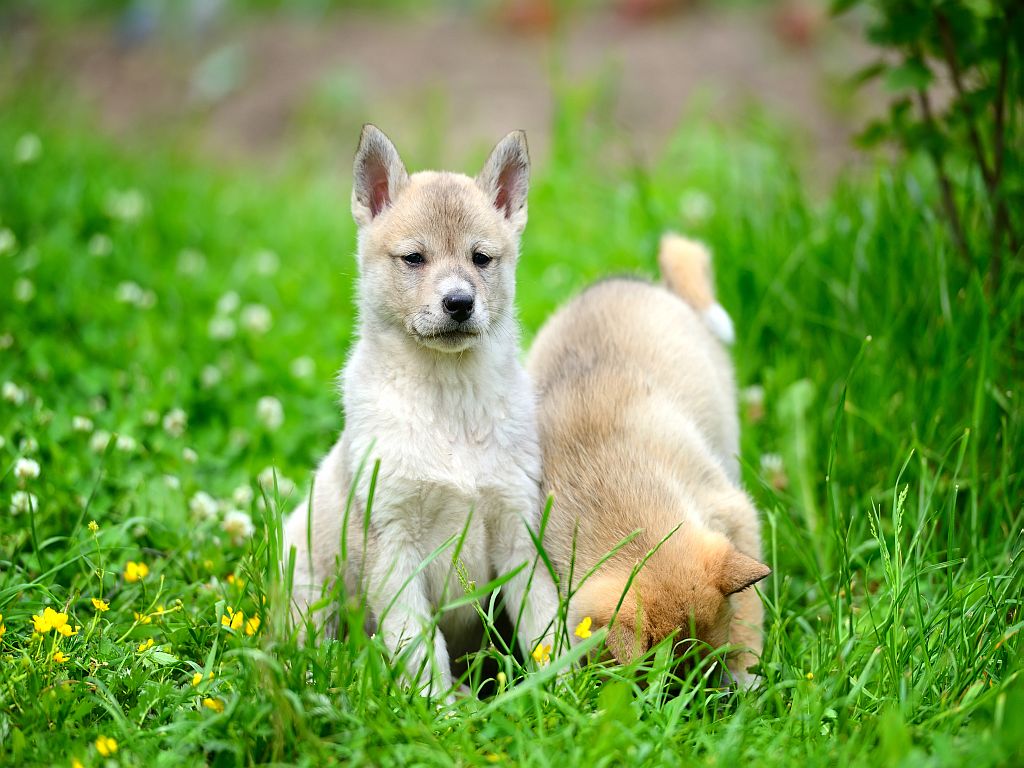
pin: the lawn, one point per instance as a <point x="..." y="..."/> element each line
<point x="170" y="332"/>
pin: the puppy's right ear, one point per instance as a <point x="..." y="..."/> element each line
<point x="378" y="175"/>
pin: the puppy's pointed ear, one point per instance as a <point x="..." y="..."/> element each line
<point x="378" y="175"/>
<point x="740" y="572"/>
<point x="505" y="178"/>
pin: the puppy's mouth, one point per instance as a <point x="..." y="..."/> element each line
<point x="453" y="338"/>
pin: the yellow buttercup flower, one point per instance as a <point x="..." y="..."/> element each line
<point x="252" y="625"/>
<point x="50" y="619"/>
<point x="3" y="627"/>
<point x="542" y="653"/>
<point x="100" y="605"/>
<point x="135" y="571"/>
<point x="809" y="676"/>
<point x="76" y="763"/>
<point x="66" y="630"/>
<point x="233" y="619"/>
<point x="142" y="618"/>
<point x="215" y="704"/>
<point x="197" y="678"/>
<point x="106" y="746"/>
<point x="583" y="628"/>
<point x="145" y="645"/>
<point x="94" y="526"/>
<point x="60" y="657"/>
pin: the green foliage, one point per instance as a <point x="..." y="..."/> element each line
<point x="888" y="470"/>
<point x="954" y="72"/>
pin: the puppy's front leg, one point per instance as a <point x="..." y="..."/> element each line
<point x="398" y="596"/>
<point x="531" y="596"/>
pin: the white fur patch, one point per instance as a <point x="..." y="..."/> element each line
<point x="719" y="323"/>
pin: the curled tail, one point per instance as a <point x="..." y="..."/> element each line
<point x="686" y="267"/>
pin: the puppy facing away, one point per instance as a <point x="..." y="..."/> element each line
<point x="639" y="432"/>
<point x="434" y="390"/>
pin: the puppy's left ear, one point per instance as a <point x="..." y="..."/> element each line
<point x="505" y="178"/>
<point x="740" y="572"/>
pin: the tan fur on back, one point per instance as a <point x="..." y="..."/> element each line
<point x="639" y="431"/>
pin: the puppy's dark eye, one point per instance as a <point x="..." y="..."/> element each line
<point x="481" y="259"/>
<point x="414" y="259"/>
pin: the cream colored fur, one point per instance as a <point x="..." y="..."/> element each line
<point x="445" y="407"/>
<point x="639" y="432"/>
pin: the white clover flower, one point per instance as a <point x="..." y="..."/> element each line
<point x="27" y="149"/>
<point x="752" y="398"/>
<point x="256" y="318"/>
<point x="243" y="495"/>
<point x="128" y="292"/>
<point x="203" y="505"/>
<point x="191" y="262"/>
<point x="302" y="367"/>
<point x="238" y="525"/>
<point x="175" y="422"/>
<point x="172" y="482"/>
<point x="150" y="417"/>
<point x="100" y="245"/>
<point x="285" y="487"/>
<point x="774" y="471"/>
<point x="266" y="262"/>
<point x="210" y="376"/>
<point x="126" y="205"/>
<point x="24" y="290"/>
<point x="189" y="456"/>
<point x="26" y="469"/>
<point x="8" y="242"/>
<point x="23" y="501"/>
<point x="270" y="412"/>
<point x="695" y="207"/>
<point x="81" y="424"/>
<point x="28" y="445"/>
<point x="99" y="441"/>
<point x="126" y="443"/>
<point x="221" y="328"/>
<point x="6" y="340"/>
<point x="97" y="404"/>
<point x="12" y="393"/>
<point x="228" y="303"/>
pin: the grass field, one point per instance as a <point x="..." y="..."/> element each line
<point x="150" y="306"/>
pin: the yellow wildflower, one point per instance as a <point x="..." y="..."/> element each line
<point x="100" y="605"/>
<point x="50" y="619"/>
<point x="236" y="581"/>
<point x="66" y="630"/>
<point x="60" y="657"/>
<point x="76" y="763"/>
<point x="252" y="625"/>
<point x="215" y="704"/>
<point x="142" y="618"/>
<point x="106" y="746"/>
<point x="809" y="676"/>
<point x="197" y="678"/>
<point x="94" y="526"/>
<point x="542" y="653"/>
<point x="583" y="628"/>
<point x="3" y="627"/>
<point x="145" y="645"/>
<point x="135" y="571"/>
<point x="233" y="619"/>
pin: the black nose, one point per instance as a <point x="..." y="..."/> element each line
<point x="458" y="306"/>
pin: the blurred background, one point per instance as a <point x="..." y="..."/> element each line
<point x="265" y="80"/>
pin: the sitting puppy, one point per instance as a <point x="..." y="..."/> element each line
<point x="434" y="390"/>
<point x="639" y="432"/>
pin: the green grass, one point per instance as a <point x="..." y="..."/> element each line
<point x="893" y="525"/>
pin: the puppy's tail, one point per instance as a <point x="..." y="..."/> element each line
<point x="686" y="267"/>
